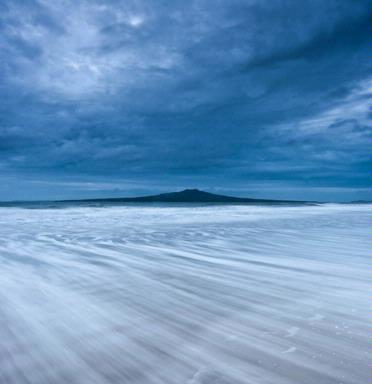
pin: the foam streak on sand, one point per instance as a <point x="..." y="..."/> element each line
<point x="214" y="294"/>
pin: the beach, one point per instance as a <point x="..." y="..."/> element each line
<point x="194" y="294"/>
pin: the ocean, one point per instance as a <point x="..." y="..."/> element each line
<point x="193" y="294"/>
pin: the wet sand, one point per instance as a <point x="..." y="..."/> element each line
<point x="197" y="295"/>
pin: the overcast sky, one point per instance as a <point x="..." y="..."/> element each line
<point x="250" y="98"/>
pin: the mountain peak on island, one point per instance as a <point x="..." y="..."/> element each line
<point x="190" y="192"/>
<point x="189" y="195"/>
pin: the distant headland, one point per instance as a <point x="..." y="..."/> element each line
<point x="188" y="196"/>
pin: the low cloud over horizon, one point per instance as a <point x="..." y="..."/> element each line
<point x="251" y="98"/>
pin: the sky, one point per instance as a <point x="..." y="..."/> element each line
<point x="249" y="98"/>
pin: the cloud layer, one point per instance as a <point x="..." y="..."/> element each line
<point x="259" y="97"/>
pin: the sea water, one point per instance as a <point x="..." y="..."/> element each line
<point x="185" y="294"/>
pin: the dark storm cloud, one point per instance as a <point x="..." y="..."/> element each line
<point x="232" y="94"/>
